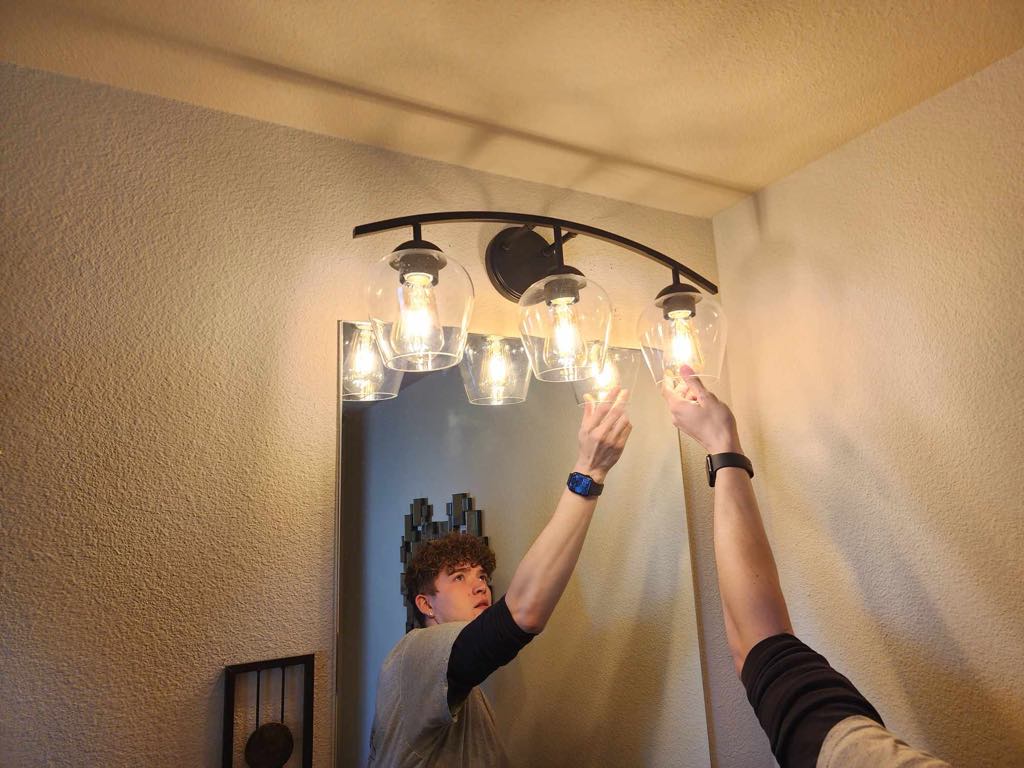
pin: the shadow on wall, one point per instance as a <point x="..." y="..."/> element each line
<point x="882" y="483"/>
<point x="885" y="465"/>
<point x="959" y="718"/>
<point x="932" y="666"/>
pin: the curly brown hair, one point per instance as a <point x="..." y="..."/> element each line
<point x="437" y="555"/>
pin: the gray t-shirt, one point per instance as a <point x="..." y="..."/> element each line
<point x="413" y="726"/>
<point x="859" y="742"/>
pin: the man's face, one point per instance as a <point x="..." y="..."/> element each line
<point x="463" y="593"/>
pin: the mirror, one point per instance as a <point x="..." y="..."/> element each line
<point x="615" y="678"/>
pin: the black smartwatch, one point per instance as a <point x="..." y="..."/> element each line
<point x="584" y="485"/>
<point x="715" y="462"/>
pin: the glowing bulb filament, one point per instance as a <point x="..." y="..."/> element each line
<point x="565" y="348"/>
<point x="683" y="348"/>
<point x="418" y="331"/>
<point x="495" y="369"/>
<point x="605" y="379"/>
<point x="363" y="369"/>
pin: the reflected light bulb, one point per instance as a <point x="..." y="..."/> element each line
<point x="564" y="348"/>
<point x="605" y="379"/>
<point x="495" y="368"/>
<point x="683" y="348"/>
<point x="417" y="333"/>
<point x="363" y="369"/>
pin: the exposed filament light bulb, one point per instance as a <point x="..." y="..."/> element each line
<point x="606" y="378"/>
<point x="683" y="348"/>
<point x="495" y="368"/>
<point x="417" y="332"/>
<point x="363" y="369"/>
<point x="565" y="347"/>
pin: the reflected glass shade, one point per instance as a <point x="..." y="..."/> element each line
<point x="683" y="329"/>
<point x="495" y="370"/>
<point x="364" y="377"/>
<point x="564" y="321"/>
<point x="620" y="369"/>
<point x="420" y="301"/>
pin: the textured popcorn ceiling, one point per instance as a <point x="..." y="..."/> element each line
<point x="679" y="105"/>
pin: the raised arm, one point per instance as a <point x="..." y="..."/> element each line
<point x="544" y="571"/>
<point x="752" y="599"/>
<point x="811" y="713"/>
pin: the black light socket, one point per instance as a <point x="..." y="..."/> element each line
<point x="563" y="287"/>
<point x="423" y="258"/>
<point x="676" y="297"/>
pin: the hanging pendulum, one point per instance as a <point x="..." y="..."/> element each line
<point x="271" y="744"/>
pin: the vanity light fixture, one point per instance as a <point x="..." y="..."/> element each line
<point x="565" y="317"/>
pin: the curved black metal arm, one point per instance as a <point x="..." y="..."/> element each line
<point x="540" y="221"/>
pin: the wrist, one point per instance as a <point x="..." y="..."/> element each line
<point x="727" y="443"/>
<point x="598" y="475"/>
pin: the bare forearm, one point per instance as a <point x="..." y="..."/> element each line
<point x="541" y="577"/>
<point x="748" y="581"/>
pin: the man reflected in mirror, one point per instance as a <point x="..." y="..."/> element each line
<point x="429" y="709"/>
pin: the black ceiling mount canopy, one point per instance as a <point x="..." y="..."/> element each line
<point x="517" y="256"/>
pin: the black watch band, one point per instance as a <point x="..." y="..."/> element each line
<point x="715" y="462"/>
<point x="583" y="485"/>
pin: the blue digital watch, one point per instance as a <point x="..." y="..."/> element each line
<point x="584" y="485"/>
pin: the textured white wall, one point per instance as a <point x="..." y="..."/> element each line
<point x="171" y="279"/>
<point x="877" y="355"/>
<point x="623" y="643"/>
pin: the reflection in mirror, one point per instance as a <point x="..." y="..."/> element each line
<point x="615" y="677"/>
<point x="619" y="369"/>
<point x="365" y="377"/>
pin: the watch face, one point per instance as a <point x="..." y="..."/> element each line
<point x="579" y="484"/>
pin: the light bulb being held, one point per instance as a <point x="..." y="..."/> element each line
<point x="682" y="347"/>
<point x="682" y="334"/>
<point x="606" y="378"/>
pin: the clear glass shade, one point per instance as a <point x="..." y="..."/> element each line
<point x="619" y="369"/>
<point x="420" y="301"/>
<point x="364" y="377"/>
<point x="676" y="340"/>
<point x="495" y="370"/>
<point x="564" y="321"/>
